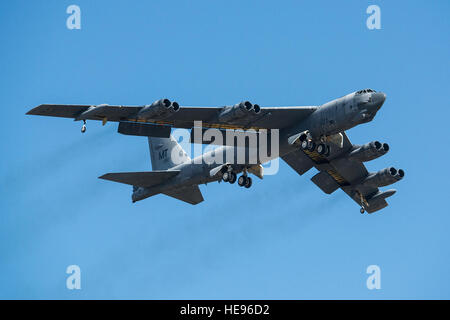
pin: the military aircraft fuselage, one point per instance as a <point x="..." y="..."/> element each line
<point x="341" y="114"/>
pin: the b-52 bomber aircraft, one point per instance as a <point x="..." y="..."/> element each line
<point x="309" y="136"/>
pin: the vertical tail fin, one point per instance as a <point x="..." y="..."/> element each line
<point x="166" y="153"/>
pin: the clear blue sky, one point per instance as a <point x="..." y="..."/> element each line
<point x="281" y="239"/>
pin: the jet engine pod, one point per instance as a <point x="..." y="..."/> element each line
<point x="159" y="109"/>
<point x="245" y="105"/>
<point x="384" y="177"/>
<point x="238" y="111"/>
<point x="369" y="151"/>
<point x="175" y="106"/>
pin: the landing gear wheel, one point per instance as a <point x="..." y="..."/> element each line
<point x="242" y="180"/>
<point x="226" y="176"/>
<point x="327" y="151"/>
<point x="321" y="149"/>
<point x="311" y="146"/>
<point x="304" y="144"/>
<point x="362" y="210"/>
<point x="232" y="177"/>
<point x="248" y="183"/>
<point x="83" y="128"/>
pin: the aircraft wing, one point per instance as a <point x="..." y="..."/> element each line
<point x="268" y="118"/>
<point x="338" y="171"/>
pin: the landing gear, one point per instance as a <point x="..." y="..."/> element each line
<point x="83" y="128"/>
<point x="232" y="177"/>
<point x="248" y="183"/>
<point x="308" y="145"/>
<point x="364" y="203"/>
<point x="229" y="176"/>
<point x="245" y="181"/>
<point x="226" y="176"/>
<point x="304" y="144"/>
<point x="323" y="149"/>
<point x="242" y="180"/>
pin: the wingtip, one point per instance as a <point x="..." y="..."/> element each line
<point x="33" y="111"/>
<point x="103" y="176"/>
<point x="29" y="112"/>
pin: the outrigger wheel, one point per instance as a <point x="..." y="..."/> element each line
<point x="363" y="201"/>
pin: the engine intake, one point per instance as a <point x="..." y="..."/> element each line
<point x="384" y="177"/>
<point x="159" y="109"/>
<point x="369" y="151"/>
<point x="245" y="109"/>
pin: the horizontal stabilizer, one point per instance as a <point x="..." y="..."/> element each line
<point x="191" y="194"/>
<point x="141" y="179"/>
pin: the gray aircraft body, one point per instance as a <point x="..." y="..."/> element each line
<point x="307" y="137"/>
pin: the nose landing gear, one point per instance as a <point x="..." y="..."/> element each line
<point x="83" y="128"/>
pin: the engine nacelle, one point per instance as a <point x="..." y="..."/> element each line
<point x="384" y="177"/>
<point x="369" y="151"/>
<point x="244" y="109"/>
<point x="159" y="109"/>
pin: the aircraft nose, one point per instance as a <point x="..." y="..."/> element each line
<point x="378" y="99"/>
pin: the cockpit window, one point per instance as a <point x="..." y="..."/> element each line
<point x="365" y="91"/>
